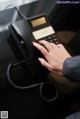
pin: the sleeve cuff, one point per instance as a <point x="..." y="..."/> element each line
<point x="71" y="68"/>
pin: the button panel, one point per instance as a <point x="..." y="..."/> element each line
<point x="52" y="39"/>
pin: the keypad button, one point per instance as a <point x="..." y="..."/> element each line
<point x="53" y="36"/>
<point x="55" y="39"/>
<point x="50" y="37"/>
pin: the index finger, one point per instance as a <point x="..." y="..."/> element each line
<point x="41" y="48"/>
<point x="46" y="44"/>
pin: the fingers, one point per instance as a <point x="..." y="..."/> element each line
<point x="61" y="46"/>
<point x="44" y="52"/>
<point x="45" y="63"/>
<point x="53" y="45"/>
<point x="41" y="48"/>
<point x="46" y="47"/>
<point x="46" y="44"/>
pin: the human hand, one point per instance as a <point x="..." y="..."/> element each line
<point x="55" y="56"/>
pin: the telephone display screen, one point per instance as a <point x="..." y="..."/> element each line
<point x="42" y="32"/>
<point x="38" y="22"/>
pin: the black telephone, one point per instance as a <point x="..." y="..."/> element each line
<point x="23" y="33"/>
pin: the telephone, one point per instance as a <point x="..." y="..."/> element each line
<point x="23" y="33"/>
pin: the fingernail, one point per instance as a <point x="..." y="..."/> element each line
<point x="39" y="59"/>
<point x="34" y="43"/>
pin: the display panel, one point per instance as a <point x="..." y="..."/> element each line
<point x="43" y="32"/>
<point x="38" y="21"/>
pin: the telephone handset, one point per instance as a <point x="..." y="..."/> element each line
<point x="23" y="33"/>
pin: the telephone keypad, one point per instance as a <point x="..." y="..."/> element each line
<point x="52" y="39"/>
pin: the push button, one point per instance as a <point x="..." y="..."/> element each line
<point x="55" y="39"/>
<point x="50" y="37"/>
<point x="53" y="36"/>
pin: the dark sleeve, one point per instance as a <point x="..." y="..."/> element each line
<point x="71" y="68"/>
